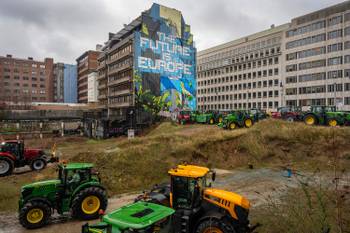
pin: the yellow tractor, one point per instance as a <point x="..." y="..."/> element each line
<point x="199" y="208"/>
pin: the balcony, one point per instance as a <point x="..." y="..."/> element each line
<point x="122" y="55"/>
<point x="102" y="86"/>
<point x="120" y="68"/>
<point x="119" y="81"/>
<point x="120" y="105"/>
<point x="121" y="92"/>
<point x="102" y="97"/>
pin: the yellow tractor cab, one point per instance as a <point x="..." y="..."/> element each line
<point x="199" y="208"/>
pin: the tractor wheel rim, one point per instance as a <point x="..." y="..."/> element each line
<point x="35" y="215"/>
<point x="248" y="123"/>
<point x="310" y="120"/>
<point x="211" y="121"/>
<point x="38" y="165"/>
<point x="332" y="123"/>
<point x="232" y="126"/>
<point x="212" y="230"/>
<point x="4" y="167"/>
<point x="220" y="119"/>
<point x="90" y="205"/>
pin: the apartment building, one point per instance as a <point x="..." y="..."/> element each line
<point x="317" y="58"/>
<point x="86" y="64"/>
<point x="157" y="47"/>
<point x="241" y="74"/>
<point x="58" y="83"/>
<point x="92" y="87"/>
<point x="26" y="80"/>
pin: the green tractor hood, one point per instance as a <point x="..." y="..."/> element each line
<point x="137" y="216"/>
<point x="41" y="184"/>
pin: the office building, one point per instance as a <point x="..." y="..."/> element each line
<point x="317" y="58"/>
<point x="26" y="80"/>
<point x="70" y="84"/>
<point x="86" y="64"/>
<point x="157" y="47"/>
<point x="241" y="74"/>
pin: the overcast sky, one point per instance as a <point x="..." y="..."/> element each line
<point x="64" y="29"/>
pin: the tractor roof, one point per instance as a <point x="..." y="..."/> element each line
<point x="137" y="216"/>
<point x="189" y="171"/>
<point x="74" y="166"/>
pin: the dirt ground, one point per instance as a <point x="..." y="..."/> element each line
<point x="258" y="185"/>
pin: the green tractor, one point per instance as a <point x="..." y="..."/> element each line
<point x="237" y="118"/>
<point x="257" y="114"/>
<point x="140" y="217"/>
<point x="209" y="117"/>
<point x="78" y="190"/>
<point x="325" y="115"/>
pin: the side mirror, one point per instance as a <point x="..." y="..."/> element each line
<point x="213" y="176"/>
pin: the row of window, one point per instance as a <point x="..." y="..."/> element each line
<point x="317" y="102"/>
<point x="25" y="78"/>
<point x="244" y="96"/>
<point x="319" y="89"/>
<point x="17" y="91"/>
<point x="239" y="77"/>
<point x="21" y="64"/>
<point x="121" y="52"/>
<point x="261" y="105"/>
<point x="15" y="70"/>
<point x="334" y="74"/>
<point x="6" y="84"/>
<point x="120" y="64"/>
<point x="318" y="63"/>
<point x="250" y="65"/>
<point x="318" y="38"/>
<point x="237" y="87"/>
<point x="241" y="59"/>
<point x="121" y="99"/>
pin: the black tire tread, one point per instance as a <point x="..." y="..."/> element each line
<point x="78" y="199"/>
<point x="30" y="205"/>
<point x="12" y="166"/>
<point x="223" y="225"/>
<point x="32" y="164"/>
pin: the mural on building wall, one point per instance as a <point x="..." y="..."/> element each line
<point x="165" y="56"/>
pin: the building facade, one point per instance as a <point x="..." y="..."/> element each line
<point x="156" y="47"/>
<point x="317" y="58"/>
<point x="92" y="87"/>
<point x="58" y="83"/>
<point x="86" y="64"/>
<point x="70" y="84"/>
<point x="26" y="80"/>
<point x="302" y="63"/>
<point x="243" y="73"/>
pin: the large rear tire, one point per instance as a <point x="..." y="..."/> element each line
<point x="232" y="126"/>
<point x="88" y="202"/>
<point x="214" y="225"/>
<point x="211" y="121"/>
<point x="6" y="166"/>
<point x="248" y="123"/>
<point x="310" y="119"/>
<point x="34" y="215"/>
<point x="38" y="164"/>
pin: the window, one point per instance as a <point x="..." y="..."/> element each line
<point x="347" y="100"/>
<point x="291" y="68"/>
<point x="346" y="86"/>
<point x="291" y="56"/>
<point x="335" y="74"/>
<point x="311" y="52"/>
<point x="291" y="79"/>
<point x="346" y="31"/>
<point x="347" y="73"/>
<point x="347" y="59"/>
<point x="312" y="77"/>
<point x="347" y="45"/>
<point x="307" y="28"/>
<point x="312" y="89"/>
<point x="335" y="47"/>
<point x="335" y="61"/>
<point x="335" y="34"/>
<point x="291" y="91"/>
<point x="306" y="41"/>
<point x="312" y="64"/>
<point x="347" y="17"/>
<point x="335" y="20"/>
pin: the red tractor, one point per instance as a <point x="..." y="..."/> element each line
<point x="184" y="117"/>
<point x="289" y="113"/>
<point x="14" y="155"/>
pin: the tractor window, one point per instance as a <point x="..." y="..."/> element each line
<point x="183" y="190"/>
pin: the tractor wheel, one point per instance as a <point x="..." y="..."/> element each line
<point x="38" y="164"/>
<point x="88" y="202"/>
<point x="248" y="123"/>
<point x="310" y="120"/>
<point x="220" y="119"/>
<point x="211" y="121"/>
<point x="34" y="214"/>
<point x="214" y="225"/>
<point x="332" y="122"/>
<point x="290" y="119"/>
<point x="6" y="166"/>
<point x="232" y="126"/>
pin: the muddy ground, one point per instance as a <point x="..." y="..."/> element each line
<point x="258" y="185"/>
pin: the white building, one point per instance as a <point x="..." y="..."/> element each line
<point x="92" y="87"/>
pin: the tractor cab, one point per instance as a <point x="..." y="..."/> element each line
<point x="323" y="109"/>
<point x="13" y="147"/>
